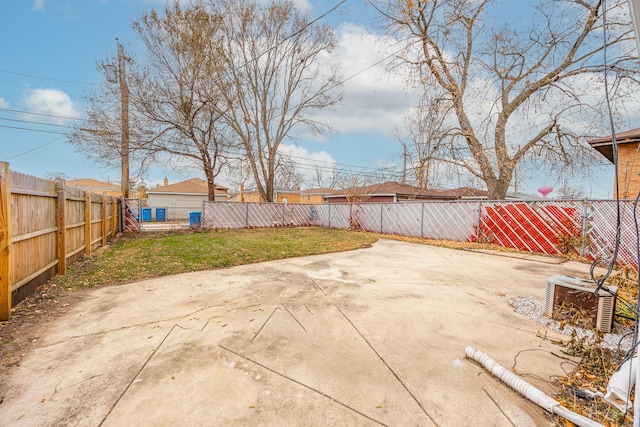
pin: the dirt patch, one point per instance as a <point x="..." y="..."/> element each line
<point x="29" y="321"/>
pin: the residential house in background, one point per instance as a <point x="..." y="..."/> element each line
<point x="95" y="186"/>
<point x="315" y="196"/>
<point x="280" y="195"/>
<point x="628" y="161"/>
<point x="180" y="198"/>
<point x="393" y="192"/>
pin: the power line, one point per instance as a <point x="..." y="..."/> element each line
<point x="36" y="123"/>
<point x="32" y="129"/>
<point x="33" y="149"/>
<point x="310" y="23"/>
<point x="301" y="165"/>
<point x="72" y="82"/>
<point x="46" y="78"/>
<point x="57" y="116"/>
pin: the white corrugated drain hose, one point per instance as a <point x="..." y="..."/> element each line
<point x="527" y="390"/>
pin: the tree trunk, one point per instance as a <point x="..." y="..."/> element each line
<point x="211" y="185"/>
<point x="497" y="188"/>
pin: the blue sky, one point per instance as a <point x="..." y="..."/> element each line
<point x="49" y="59"/>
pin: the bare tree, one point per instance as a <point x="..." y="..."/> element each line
<point x="424" y="132"/>
<point x="276" y="74"/>
<point x="287" y="176"/>
<point x="568" y="191"/>
<point x="99" y="136"/>
<point x="323" y="178"/>
<point x="358" y="187"/>
<point x="238" y="173"/>
<point x="526" y="77"/>
<point x="177" y="93"/>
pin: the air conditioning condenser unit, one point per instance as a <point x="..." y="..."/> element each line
<point x="580" y="294"/>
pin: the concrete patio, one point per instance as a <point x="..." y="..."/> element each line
<point x="369" y="337"/>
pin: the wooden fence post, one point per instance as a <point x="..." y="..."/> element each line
<point x="5" y="242"/>
<point x="114" y="215"/>
<point x="87" y="223"/>
<point x="104" y="219"/>
<point x="61" y="241"/>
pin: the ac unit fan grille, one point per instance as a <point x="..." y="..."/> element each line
<point x="575" y="300"/>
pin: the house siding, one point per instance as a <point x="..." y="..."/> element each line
<point x="178" y="206"/>
<point x="371" y="199"/>
<point x="312" y="199"/>
<point x="254" y="197"/>
<point x="628" y="171"/>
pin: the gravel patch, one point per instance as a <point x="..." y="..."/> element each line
<point x="619" y="339"/>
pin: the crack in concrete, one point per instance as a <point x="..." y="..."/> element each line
<point x="377" y="354"/>
<point x="265" y="323"/>
<point x="72" y="385"/>
<point x="122" y="328"/>
<point x="302" y="385"/>
<point x="295" y="318"/>
<point x="153" y="353"/>
<point x="498" y="406"/>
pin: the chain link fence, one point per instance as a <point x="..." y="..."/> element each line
<point x="581" y="227"/>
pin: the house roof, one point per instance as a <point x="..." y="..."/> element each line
<point x="275" y="189"/>
<point x="93" y="184"/>
<point x="467" y="192"/>
<point x="390" y="188"/>
<point x="604" y="144"/>
<point x="190" y="186"/>
<point x="320" y="191"/>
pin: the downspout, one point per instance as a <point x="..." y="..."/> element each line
<point x="527" y="390"/>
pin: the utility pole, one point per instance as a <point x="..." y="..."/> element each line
<point x="124" y="101"/>
<point x="404" y="164"/>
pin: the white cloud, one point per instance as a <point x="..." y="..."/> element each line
<point x="50" y="101"/>
<point x="303" y="5"/>
<point x="308" y="164"/>
<point x="4" y="104"/>
<point x="38" y="5"/>
<point x="374" y="99"/>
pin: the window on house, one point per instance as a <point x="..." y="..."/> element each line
<point x="285" y="200"/>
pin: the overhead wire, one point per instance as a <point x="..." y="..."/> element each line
<point x="613" y="260"/>
<point x="47" y="78"/>
<point x="37" y="123"/>
<point x="307" y="25"/>
<point x="57" y="116"/>
<point x="33" y="149"/>
<point x="614" y="148"/>
<point x="361" y="170"/>
<point x="290" y="36"/>
<point x="32" y="129"/>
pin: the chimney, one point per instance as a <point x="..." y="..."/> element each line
<point x="166" y="181"/>
<point x="242" y="187"/>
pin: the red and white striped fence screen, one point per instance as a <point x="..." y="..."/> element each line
<point x="584" y="227"/>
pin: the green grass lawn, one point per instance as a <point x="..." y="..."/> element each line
<point x="147" y="255"/>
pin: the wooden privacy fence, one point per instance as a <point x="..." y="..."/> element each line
<point x="44" y="227"/>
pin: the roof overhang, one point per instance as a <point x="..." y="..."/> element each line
<point x="410" y="196"/>
<point x="604" y="145"/>
<point x="177" y="193"/>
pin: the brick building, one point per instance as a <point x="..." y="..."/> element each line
<point x="628" y="143"/>
<point x="392" y="192"/>
<point x="280" y="195"/>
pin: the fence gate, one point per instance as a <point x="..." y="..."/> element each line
<point x="132" y="215"/>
